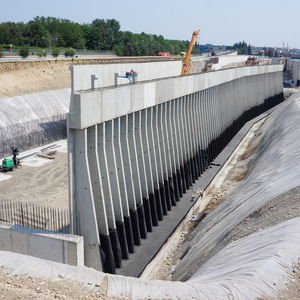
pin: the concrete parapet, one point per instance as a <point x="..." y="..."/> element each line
<point x="93" y="107"/>
<point x="105" y="73"/>
<point x="47" y="245"/>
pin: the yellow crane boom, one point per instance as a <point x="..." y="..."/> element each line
<point x="185" y="64"/>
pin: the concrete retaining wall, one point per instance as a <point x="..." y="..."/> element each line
<point x="296" y="71"/>
<point x="229" y="59"/>
<point x="136" y="149"/>
<point x="106" y="73"/>
<point x="61" y="248"/>
<point x="87" y="109"/>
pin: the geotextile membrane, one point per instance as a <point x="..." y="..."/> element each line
<point x="31" y="120"/>
<point x="257" y="264"/>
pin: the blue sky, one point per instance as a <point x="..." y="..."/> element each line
<point x="259" y="22"/>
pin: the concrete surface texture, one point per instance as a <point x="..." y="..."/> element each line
<point x="296" y="71"/>
<point x="63" y="248"/>
<point x="225" y="60"/>
<point x="90" y="108"/>
<point x="105" y="73"/>
<point x="135" y="149"/>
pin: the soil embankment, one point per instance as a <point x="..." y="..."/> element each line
<point x="20" y="78"/>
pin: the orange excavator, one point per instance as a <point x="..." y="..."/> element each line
<point x="187" y="58"/>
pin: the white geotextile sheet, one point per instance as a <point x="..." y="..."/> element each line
<point x="275" y="171"/>
<point x="245" y="269"/>
<point x="35" y="106"/>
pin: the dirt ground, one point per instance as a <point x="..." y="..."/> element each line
<point x="292" y="290"/>
<point x="281" y="208"/>
<point x="16" y="287"/>
<point x="46" y="76"/>
<point x="290" y="91"/>
<point x="44" y="185"/>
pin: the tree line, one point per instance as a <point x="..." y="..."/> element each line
<point x="242" y="48"/>
<point x="101" y="34"/>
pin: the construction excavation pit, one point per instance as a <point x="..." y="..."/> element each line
<point x="161" y="187"/>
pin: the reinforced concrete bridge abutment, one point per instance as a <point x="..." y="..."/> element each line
<point x="136" y="149"/>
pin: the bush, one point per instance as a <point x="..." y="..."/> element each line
<point x="1" y="52"/>
<point x="55" y="52"/>
<point x="70" y="52"/>
<point x="42" y="53"/>
<point x="24" y="52"/>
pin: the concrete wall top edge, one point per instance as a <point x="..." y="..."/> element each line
<point x="36" y="231"/>
<point x="101" y="105"/>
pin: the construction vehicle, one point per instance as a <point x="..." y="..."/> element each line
<point x="163" y="54"/>
<point x="9" y="164"/>
<point x="187" y="57"/>
<point x="252" y="61"/>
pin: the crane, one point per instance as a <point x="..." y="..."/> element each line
<point x="185" y="64"/>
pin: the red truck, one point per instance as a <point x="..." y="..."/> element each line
<point x="163" y="54"/>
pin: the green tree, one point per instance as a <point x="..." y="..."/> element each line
<point x="63" y="32"/>
<point x="103" y="34"/>
<point x="70" y="52"/>
<point x="37" y="34"/>
<point x="71" y="35"/>
<point x="5" y="34"/>
<point x="24" y="51"/>
<point x="55" y="52"/>
<point x="15" y="33"/>
<point x="249" y="50"/>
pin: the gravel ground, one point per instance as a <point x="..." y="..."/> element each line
<point x="281" y="208"/>
<point x="17" y="287"/>
<point x="292" y="290"/>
